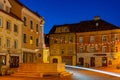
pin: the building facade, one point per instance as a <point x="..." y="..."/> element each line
<point x="32" y="34"/>
<point x="98" y="44"/>
<point x="92" y="43"/>
<point x="10" y="36"/>
<point x="62" y="47"/>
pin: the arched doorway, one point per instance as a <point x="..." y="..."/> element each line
<point x="55" y="60"/>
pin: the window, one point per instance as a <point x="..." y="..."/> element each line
<point x="0" y="22"/>
<point x="24" y="38"/>
<point x="92" y="49"/>
<point x="37" y="42"/>
<point x="62" y="51"/>
<point x="3" y="59"/>
<point x="25" y="21"/>
<point x="55" y="40"/>
<point x="1" y="6"/>
<point x="7" y="9"/>
<point x="63" y="40"/>
<point x="0" y="41"/>
<point x="104" y="49"/>
<point x="104" y="38"/>
<point x="60" y="30"/>
<point x="31" y="40"/>
<point x="70" y="51"/>
<point x="116" y="37"/>
<point x="15" y="28"/>
<point x="31" y="24"/>
<point x="116" y="49"/>
<point x="8" y="43"/>
<point x="92" y="39"/>
<point x="8" y="25"/>
<point x="54" y="51"/>
<point x="81" y="50"/>
<point x="70" y="39"/>
<point x="37" y="28"/>
<point x="15" y="44"/>
<point x="65" y="29"/>
<point x="80" y="39"/>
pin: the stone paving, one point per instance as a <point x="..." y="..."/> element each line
<point x="34" y="78"/>
<point x="109" y="69"/>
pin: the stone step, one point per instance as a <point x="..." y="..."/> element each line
<point x="20" y="74"/>
<point x="62" y="74"/>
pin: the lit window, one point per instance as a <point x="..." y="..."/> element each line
<point x="31" y="40"/>
<point x="2" y="59"/>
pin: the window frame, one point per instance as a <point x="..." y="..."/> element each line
<point x="0" y="22"/>
<point x="24" y="38"/>
<point x="16" y="28"/>
<point x="8" y="25"/>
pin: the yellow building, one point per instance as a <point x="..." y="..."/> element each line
<point x="62" y="47"/>
<point x="10" y="36"/>
<point x="32" y="34"/>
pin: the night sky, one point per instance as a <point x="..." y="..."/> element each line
<point x="59" y="12"/>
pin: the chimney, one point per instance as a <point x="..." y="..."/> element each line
<point x="97" y="18"/>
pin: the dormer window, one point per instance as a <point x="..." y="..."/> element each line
<point x="97" y="24"/>
<point x="65" y="29"/>
<point x="1" y="6"/>
<point x="5" y="5"/>
<point x="7" y="9"/>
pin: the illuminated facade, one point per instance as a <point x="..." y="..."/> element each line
<point x="92" y="43"/>
<point x="32" y="31"/>
<point x="10" y="36"/>
<point x="62" y="47"/>
<point x="98" y="44"/>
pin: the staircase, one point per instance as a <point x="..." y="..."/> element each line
<point x="41" y="70"/>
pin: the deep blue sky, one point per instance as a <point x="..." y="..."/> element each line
<point x="58" y="12"/>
